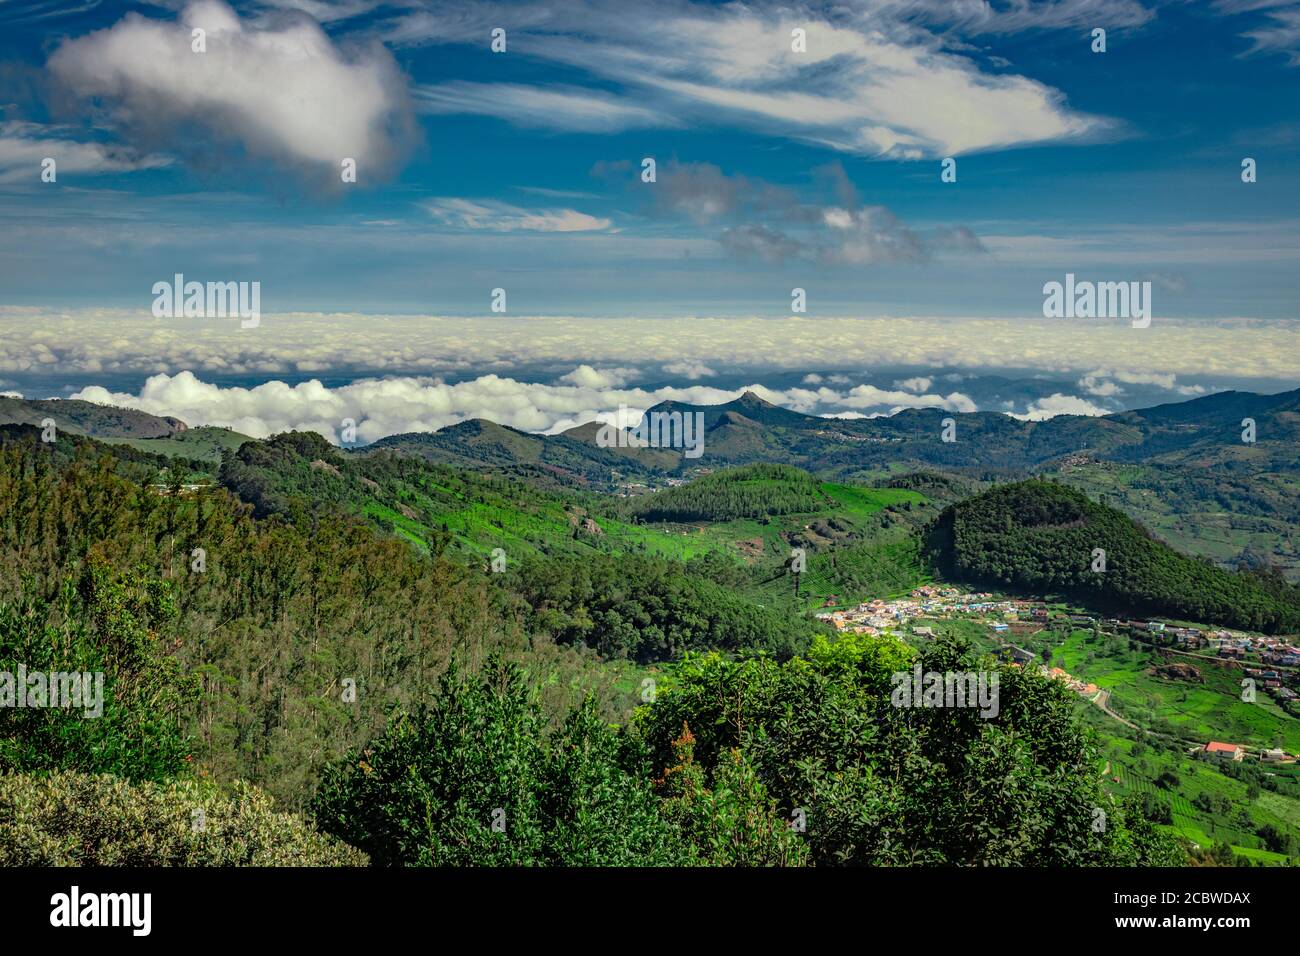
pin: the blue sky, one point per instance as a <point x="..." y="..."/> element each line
<point x="776" y="168"/>
<point x="1123" y="164"/>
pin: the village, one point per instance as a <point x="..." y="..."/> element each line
<point x="1273" y="662"/>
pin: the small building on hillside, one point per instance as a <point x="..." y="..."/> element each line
<point x="1222" y="751"/>
<point x="1016" y="655"/>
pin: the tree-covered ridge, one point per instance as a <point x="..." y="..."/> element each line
<point x="436" y="507"/>
<point x="1046" y="537"/>
<point x="751" y="491"/>
<point x="98" y="569"/>
<point x="574" y="459"/>
<point x="649" y="608"/>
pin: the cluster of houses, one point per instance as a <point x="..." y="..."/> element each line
<point x="1218" y="750"/>
<point x="1274" y="682"/>
<point x="1227" y="644"/>
<point x="1282" y="680"/>
<point x="872" y="617"/>
<point x="1281" y="653"/>
<point x="1019" y="657"/>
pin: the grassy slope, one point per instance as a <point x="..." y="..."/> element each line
<point x="481" y="519"/>
<point x="204" y="443"/>
<point x="1200" y="712"/>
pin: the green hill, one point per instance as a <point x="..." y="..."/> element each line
<point x="88" y="418"/>
<point x="750" y="492"/>
<point x="204" y="443"/>
<point x="570" y="460"/>
<point x="1044" y="537"/>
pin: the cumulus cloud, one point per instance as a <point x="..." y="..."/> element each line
<point x="388" y="406"/>
<point x="1102" y="388"/>
<point x="277" y="88"/>
<point x="918" y="384"/>
<point x="1099" y="382"/>
<point x="503" y="217"/>
<point x="1059" y="404"/>
<point x="868" y="396"/>
<point x="689" y="370"/>
<point x="585" y="376"/>
<point x="772" y="223"/>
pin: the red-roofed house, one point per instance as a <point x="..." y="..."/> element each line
<point x="1223" y="751"/>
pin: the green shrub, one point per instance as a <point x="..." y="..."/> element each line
<point x="75" y="819"/>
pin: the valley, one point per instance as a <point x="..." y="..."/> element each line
<point x="778" y="545"/>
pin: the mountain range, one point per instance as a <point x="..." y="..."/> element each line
<point x="1189" y="471"/>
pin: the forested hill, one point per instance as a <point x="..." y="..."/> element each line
<point x="1044" y="537"/>
<point x="747" y="492"/>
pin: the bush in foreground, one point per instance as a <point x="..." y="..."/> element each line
<point x="75" y="819"/>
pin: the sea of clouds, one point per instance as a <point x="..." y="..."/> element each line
<point x="394" y="374"/>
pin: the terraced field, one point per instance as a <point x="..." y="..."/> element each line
<point x="1211" y="709"/>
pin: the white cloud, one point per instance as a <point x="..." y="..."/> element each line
<point x="771" y="222"/>
<point x="872" y="81"/>
<point x="1059" y="404"/>
<point x="561" y="107"/>
<point x="1280" y="33"/>
<point x="281" y="89"/>
<point x="689" y="370"/>
<point x="1098" y="382"/>
<point x="1101" y="387"/>
<point x="72" y="342"/>
<point x="585" y="376"/>
<point x="387" y="406"/>
<point x="24" y="146"/>
<point x="502" y="217"/>
<point x="918" y="384"/>
<point x="868" y="396"/>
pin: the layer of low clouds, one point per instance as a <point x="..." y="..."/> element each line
<point x="388" y="406"/>
<point x="75" y="342"/>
